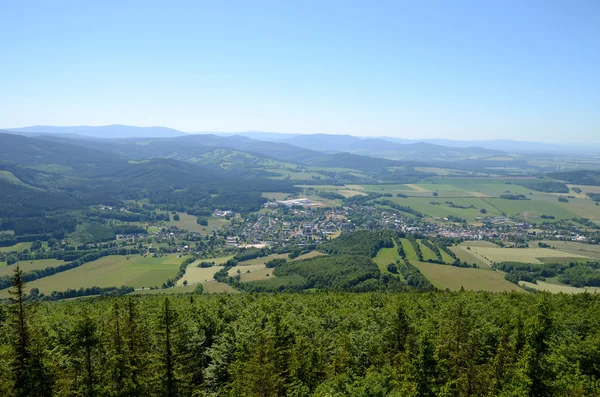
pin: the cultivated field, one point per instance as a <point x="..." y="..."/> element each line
<point x="572" y="247"/>
<point x="467" y="256"/>
<point x="453" y="278"/>
<point x="111" y="271"/>
<point x="194" y="274"/>
<point x="526" y="255"/>
<point x="262" y="274"/>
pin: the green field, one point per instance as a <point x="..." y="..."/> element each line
<point x="572" y="247"/>
<point x="427" y="252"/>
<point x="466" y="256"/>
<point x="453" y="278"/>
<point x="27" y="266"/>
<point x="111" y="271"/>
<point x="525" y="255"/>
<point x="189" y="223"/>
<point x="19" y="247"/>
<point x="410" y="253"/>
<point x="309" y="255"/>
<point x="194" y="274"/>
<point x="385" y="256"/>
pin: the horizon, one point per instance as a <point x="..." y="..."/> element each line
<point x="424" y="139"/>
<point x="466" y="71"/>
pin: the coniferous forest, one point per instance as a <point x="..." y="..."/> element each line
<point x="321" y="344"/>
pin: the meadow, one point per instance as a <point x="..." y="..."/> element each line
<point x="27" y="266"/>
<point x="189" y="223"/>
<point x="385" y="256"/>
<point x="19" y="247"/>
<point x="455" y="278"/>
<point x="111" y="271"/>
<point x="525" y="255"/>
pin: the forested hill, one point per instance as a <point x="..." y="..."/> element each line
<point x="39" y="178"/>
<point x="434" y="344"/>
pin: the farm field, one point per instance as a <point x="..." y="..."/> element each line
<point x="572" y="247"/>
<point x="532" y="209"/>
<point x="189" y="223"/>
<point x="110" y="271"/>
<point x="558" y="288"/>
<point x="385" y="256"/>
<point x="410" y="253"/>
<point x="245" y="269"/>
<point x="445" y="257"/>
<point x="19" y="247"/>
<point x="194" y="274"/>
<point x="526" y="255"/>
<point x="27" y="266"/>
<point x="442" y="209"/>
<point x="453" y="278"/>
<point x="466" y="256"/>
<point x="262" y="274"/>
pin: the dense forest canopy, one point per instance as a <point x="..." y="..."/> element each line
<point x="433" y="344"/>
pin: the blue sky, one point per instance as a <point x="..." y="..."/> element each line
<point x="526" y="70"/>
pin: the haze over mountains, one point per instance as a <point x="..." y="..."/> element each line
<point x="388" y="147"/>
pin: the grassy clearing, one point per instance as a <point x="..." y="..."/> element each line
<point x="385" y="256"/>
<point x="27" y="266"/>
<point x="445" y="257"/>
<point x="309" y="255"/>
<point x="411" y="255"/>
<point x="244" y="269"/>
<point x="453" y="278"/>
<point x="111" y="271"/>
<point x="262" y="274"/>
<point x="194" y="274"/>
<point x="525" y="255"/>
<point x="189" y="223"/>
<point x="19" y="247"/>
<point x="558" y="288"/>
<point x="427" y="252"/>
<point x="466" y="256"/>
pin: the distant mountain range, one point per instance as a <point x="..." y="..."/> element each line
<point x="389" y="147"/>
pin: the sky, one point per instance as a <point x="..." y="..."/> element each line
<point x="471" y="70"/>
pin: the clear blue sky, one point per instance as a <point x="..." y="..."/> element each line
<point x="524" y="69"/>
